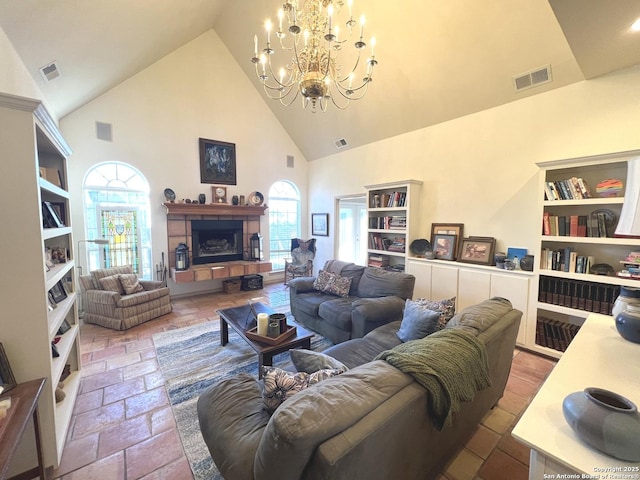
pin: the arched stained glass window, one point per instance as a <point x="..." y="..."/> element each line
<point x="116" y="208"/>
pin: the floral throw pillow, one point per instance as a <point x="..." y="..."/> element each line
<point x="279" y="385"/>
<point x="447" y="308"/>
<point x="333" y="283"/>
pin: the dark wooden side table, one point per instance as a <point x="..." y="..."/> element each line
<point x="239" y="318"/>
<point x="24" y="400"/>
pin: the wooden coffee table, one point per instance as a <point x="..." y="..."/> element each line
<point x="239" y="318"/>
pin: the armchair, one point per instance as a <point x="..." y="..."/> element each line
<point x="115" y="298"/>
<point x="301" y="262"/>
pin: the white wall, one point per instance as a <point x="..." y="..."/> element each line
<point x="158" y="116"/>
<point x="14" y="76"/>
<point x="480" y="169"/>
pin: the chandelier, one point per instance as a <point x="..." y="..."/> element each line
<point x="314" y="35"/>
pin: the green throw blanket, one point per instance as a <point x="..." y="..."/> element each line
<point x="451" y="364"/>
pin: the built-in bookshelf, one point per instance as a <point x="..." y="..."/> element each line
<point x="39" y="328"/>
<point x="392" y="210"/>
<point x="581" y="263"/>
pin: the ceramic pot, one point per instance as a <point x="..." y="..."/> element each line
<point x="627" y="296"/>
<point x="606" y="421"/>
<point x="628" y="323"/>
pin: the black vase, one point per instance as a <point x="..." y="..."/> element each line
<point x="202" y="198"/>
<point x="234" y="200"/>
<point x="526" y="263"/>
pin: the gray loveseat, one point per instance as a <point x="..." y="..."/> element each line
<point x="376" y="297"/>
<point x="371" y="422"/>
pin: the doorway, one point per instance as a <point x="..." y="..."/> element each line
<point x="352" y="229"/>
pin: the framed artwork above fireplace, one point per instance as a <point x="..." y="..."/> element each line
<point x="217" y="162"/>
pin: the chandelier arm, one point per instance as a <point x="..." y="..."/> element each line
<point x="364" y="84"/>
<point x="338" y="106"/>
<point x="286" y="104"/>
<point x="281" y="93"/>
<point x="275" y="78"/>
<point x="362" y="87"/>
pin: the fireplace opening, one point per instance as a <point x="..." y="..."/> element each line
<point x="216" y="241"/>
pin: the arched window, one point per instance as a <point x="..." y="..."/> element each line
<point x="284" y="221"/>
<point x="117" y="208"/>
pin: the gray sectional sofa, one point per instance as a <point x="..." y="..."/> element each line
<point x="376" y="297"/>
<point x="371" y="422"/>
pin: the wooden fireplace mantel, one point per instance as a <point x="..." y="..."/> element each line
<point x="213" y="209"/>
<point x="179" y="216"/>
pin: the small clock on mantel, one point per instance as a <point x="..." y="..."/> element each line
<point x="219" y="194"/>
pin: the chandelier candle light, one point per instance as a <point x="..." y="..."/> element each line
<point x="314" y="37"/>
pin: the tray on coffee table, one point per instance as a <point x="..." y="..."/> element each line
<point x="288" y="333"/>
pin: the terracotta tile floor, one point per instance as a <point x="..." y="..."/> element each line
<point x="123" y="427"/>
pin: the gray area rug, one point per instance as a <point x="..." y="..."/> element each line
<point x="191" y="360"/>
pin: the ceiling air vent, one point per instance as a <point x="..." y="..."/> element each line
<point x="341" y="143"/>
<point x="532" y="78"/>
<point x="50" y="71"/>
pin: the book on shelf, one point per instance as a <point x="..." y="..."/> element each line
<point x="573" y="188"/>
<point x="378" y="242"/>
<point x="555" y="334"/>
<point x="578" y="294"/>
<point x="397" y="245"/>
<point x="388" y="222"/>
<point x="389" y="200"/>
<point x="378" y="261"/>
<point x="568" y="226"/>
<point x="565" y="260"/>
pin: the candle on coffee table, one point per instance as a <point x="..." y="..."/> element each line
<point x="263" y="324"/>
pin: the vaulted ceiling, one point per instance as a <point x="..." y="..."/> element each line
<point x="437" y="60"/>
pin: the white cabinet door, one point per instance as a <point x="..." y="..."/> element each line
<point x="444" y="282"/>
<point x="473" y="287"/>
<point x="516" y="290"/>
<point x="422" y="272"/>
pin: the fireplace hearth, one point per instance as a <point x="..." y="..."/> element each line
<point x="216" y="241"/>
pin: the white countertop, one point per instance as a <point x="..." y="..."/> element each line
<point x="597" y="357"/>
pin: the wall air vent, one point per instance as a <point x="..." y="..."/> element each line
<point x="104" y="131"/>
<point x="50" y="71"/>
<point x="533" y="78"/>
<point x="341" y="143"/>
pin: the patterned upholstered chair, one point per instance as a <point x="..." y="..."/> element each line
<point x="115" y="298"/>
<point x="301" y="262"/>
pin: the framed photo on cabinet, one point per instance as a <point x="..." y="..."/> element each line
<point x="456" y="229"/>
<point x="444" y="246"/>
<point x="478" y="250"/>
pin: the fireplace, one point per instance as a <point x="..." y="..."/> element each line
<point x="216" y="241"/>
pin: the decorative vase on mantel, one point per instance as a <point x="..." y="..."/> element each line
<point x="606" y="421"/>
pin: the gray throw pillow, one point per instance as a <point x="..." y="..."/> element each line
<point x="418" y="321"/>
<point x="310" y="362"/>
